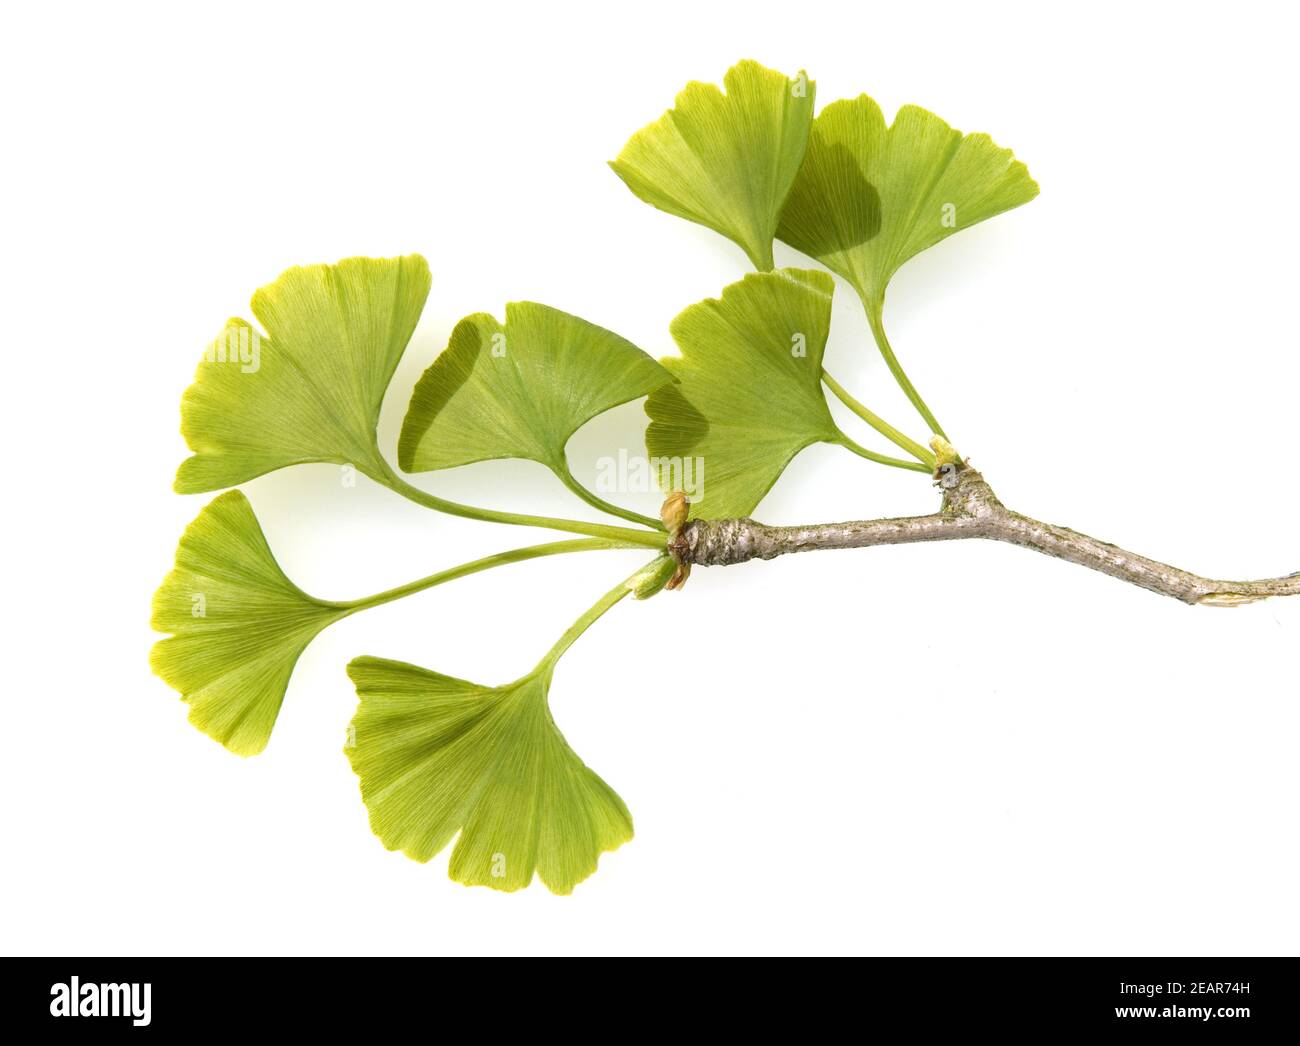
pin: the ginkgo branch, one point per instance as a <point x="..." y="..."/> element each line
<point x="970" y="510"/>
<point x="440" y="758"/>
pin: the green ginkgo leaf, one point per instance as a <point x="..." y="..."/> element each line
<point x="519" y="389"/>
<point x="437" y="756"/>
<point x="869" y="198"/>
<point x="238" y="625"/>
<point x="725" y="160"/>
<point x="751" y="364"/>
<point x="311" y="388"/>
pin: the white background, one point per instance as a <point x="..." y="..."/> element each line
<point x="951" y="749"/>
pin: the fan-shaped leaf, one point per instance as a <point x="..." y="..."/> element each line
<point x="751" y="365"/>
<point x="311" y="389"/>
<point x="438" y="755"/>
<point x="519" y="389"/>
<point x="725" y="160"/>
<point x="869" y="198"/>
<point x="237" y="623"/>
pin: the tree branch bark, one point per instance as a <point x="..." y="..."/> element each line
<point x="970" y="510"/>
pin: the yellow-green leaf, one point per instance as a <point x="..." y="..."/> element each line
<point x="238" y="625"/>
<point x="310" y="387"/>
<point x="869" y="198"/>
<point x="519" y="389"/>
<point x="728" y="160"/>
<point x="749" y="397"/>
<point x="438" y="755"/>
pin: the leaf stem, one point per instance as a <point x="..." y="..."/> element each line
<point x="383" y="473"/>
<point x="882" y="459"/>
<point x="589" y="617"/>
<point x="878" y="423"/>
<point x="500" y="559"/>
<point x="875" y="308"/>
<point x="561" y="469"/>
